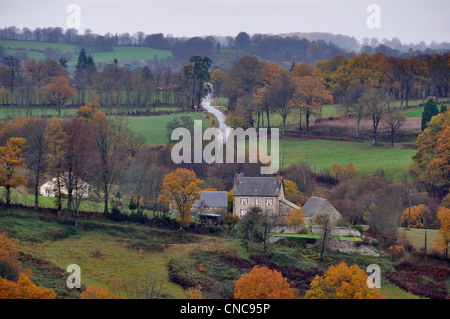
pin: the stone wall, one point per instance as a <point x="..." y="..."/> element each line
<point x="287" y="229"/>
<point x="352" y="247"/>
<point x="337" y="231"/>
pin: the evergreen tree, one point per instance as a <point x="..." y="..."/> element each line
<point x="443" y="108"/>
<point x="429" y="111"/>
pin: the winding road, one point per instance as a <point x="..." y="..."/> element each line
<point x="206" y="104"/>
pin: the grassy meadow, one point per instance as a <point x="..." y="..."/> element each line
<point x="36" y="50"/>
<point x="153" y="128"/>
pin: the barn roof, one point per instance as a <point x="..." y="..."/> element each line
<point x="312" y="205"/>
<point x="212" y="199"/>
<point x="257" y="186"/>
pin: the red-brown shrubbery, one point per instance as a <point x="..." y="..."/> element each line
<point x="422" y="280"/>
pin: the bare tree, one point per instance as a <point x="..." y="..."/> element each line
<point x="326" y="224"/>
<point x="394" y="121"/>
<point x="374" y="105"/>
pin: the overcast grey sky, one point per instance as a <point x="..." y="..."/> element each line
<point x="409" y="20"/>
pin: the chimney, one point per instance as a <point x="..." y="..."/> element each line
<point x="236" y="179"/>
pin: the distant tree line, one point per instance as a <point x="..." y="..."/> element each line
<point x="281" y="49"/>
<point x="48" y="83"/>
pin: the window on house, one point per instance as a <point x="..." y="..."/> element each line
<point x="269" y="212"/>
<point x="256" y="201"/>
<point x="243" y="212"/>
<point x="244" y="201"/>
<point x="47" y="191"/>
<point x="269" y="201"/>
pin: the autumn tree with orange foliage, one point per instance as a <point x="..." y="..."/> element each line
<point x="60" y="91"/>
<point x="23" y="289"/>
<point x="10" y="266"/>
<point x="444" y="231"/>
<point x="97" y="292"/>
<point x="292" y="193"/>
<point x="88" y="111"/>
<point x="342" y="173"/>
<point x="195" y="293"/>
<point x="11" y="161"/>
<point x="263" y="283"/>
<point x="15" y="281"/>
<point x="417" y="216"/>
<point x="309" y="96"/>
<point x="296" y="217"/>
<point x="431" y="163"/>
<point x="342" y="282"/>
<point x="181" y="188"/>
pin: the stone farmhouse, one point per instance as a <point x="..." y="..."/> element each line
<point x="50" y="188"/>
<point x="316" y="206"/>
<point x="266" y="193"/>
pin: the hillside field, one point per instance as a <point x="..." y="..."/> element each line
<point x="36" y="50"/>
<point x="154" y="128"/>
<point x="128" y="257"/>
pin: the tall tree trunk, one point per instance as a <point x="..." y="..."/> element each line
<point x="8" y="195"/>
<point x="105" y="190"/>
<point x="36" y="193"/>
<point x="308" y="113"/>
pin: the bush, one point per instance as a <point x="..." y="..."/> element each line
<point x="358" y="228"/>
<point x="186" y="274"/>
<point x="396" y="251"/>
<point x="283" y="258"/>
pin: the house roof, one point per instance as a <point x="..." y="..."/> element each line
<point x="212" y="199"/>
<point x="257" y="186"/>
<point x="312" y="205"/>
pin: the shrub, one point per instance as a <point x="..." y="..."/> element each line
<point x="358" y="228"/>
<point x="396" y="251"/>
<point x="263" y="283"/>
<point x="97" y="292"/>
<point x="186" y="274"/>
<point x="283" y="258"/>
<point x="23" y="289"/>
<point x="10" y="266"/>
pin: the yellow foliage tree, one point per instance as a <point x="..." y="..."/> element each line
<point x="11" y="160"/>
<point x="417" y="216"/>
<point x="263" y="283"/>
<point x="342" y="282"/>
<point x="10" y="266"/>
<point x="15" y="281"/>
<point x="23" y="289"/>
<point x="444" y="232"/>
<point x="292" y="193"/>
<point x="181" y="188"/>
<point x="296" y="217"/>
<point x="97" y="292"/>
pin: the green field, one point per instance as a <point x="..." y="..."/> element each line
<point x="417" y="237"/>
<point x="153" y="128"/>
<point x="322" y="154"/>
<point x="36" y="50"/>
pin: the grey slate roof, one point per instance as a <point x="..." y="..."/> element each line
<point x="212" y="199"/>
<point x="312" y="205"/>
<point x="257" y="186"/>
